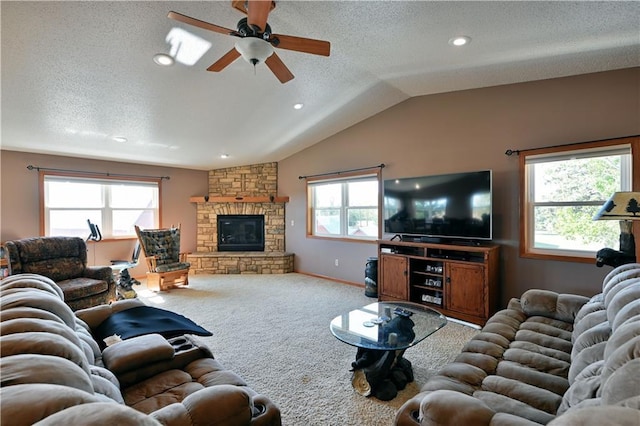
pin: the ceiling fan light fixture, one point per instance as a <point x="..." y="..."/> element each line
<point x="163" y="59"/>
<point x="254" y="50"/>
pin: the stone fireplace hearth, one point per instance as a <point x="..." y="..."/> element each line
<point x="245" y="190"/>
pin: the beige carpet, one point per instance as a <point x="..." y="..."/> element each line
<point x="273" y="330"/>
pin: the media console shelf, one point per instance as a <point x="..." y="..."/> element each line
<point x="460" y="281"/>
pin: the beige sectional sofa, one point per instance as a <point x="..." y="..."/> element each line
<point x="548" y="358"/>
<point x="52" y="371"/>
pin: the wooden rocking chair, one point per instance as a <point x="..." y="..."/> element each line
<point x="161" y="249"/>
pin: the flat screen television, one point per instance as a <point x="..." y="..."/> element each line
<point x="445" y="208"/>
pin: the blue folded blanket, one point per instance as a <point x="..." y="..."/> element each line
<point x="146" y="320"/>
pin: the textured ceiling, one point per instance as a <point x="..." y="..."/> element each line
<point x="77" y="74"/>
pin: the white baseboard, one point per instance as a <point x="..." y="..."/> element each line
<point x="468" y="324"/>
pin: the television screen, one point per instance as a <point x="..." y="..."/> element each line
<point x="451" y="206"/>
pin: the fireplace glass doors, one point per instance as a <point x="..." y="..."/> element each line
<point x="239" y="232"/>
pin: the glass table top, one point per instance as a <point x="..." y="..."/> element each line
<point x="387" y="325"/>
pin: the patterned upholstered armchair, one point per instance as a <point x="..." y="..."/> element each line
<point x="64" y="260"/>
<point x="167" y="265"/>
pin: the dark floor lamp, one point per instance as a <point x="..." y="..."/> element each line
<point x="624" y="207"/>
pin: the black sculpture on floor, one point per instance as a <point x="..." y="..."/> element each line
<point x="383" y="373"/>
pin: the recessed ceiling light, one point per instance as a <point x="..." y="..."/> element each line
<point x="163" y="59"/>
<point x="460" y="41"/>
<point x="224" y="155"/>
<point x="119" y="139"/>
<point x="298" y="106"/>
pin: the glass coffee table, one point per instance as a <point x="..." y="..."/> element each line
<point x="382" y="332"/>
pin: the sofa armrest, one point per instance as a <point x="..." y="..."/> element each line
<point x="408" y="413"/>
<point x="216" y="405"/>
<point x="136" y="352"/>
<point x="104" y="273"/>
<point x="95" y="315"/>
<point x="450" y="407"/>
<point x="563" y="307"/>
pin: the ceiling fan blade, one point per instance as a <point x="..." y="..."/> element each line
<point x="278" y="67"/>
<point x="200" y="24"/>
<point x="258" y="12"/>
<point x="301" y="44"/>
<point x="223" y="62"/>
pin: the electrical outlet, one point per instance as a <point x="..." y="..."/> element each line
<point x="292" y="222"/>
<point x="337" y="262"/>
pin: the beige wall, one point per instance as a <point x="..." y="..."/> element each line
<point x="459" y="131"/>
<point x="19" y="208"/>
<point x="463" y="131"/>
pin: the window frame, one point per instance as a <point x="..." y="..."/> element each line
<point x="42" y="175"/>
<point x="526" y="219"/>
<point x="342" y="177"/>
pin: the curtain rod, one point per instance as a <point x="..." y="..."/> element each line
<point x="379" y="166"/>
<point x="510" y="152"/>
<point x="30" y="167"/>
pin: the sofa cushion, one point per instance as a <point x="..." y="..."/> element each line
<point x="28" y="312"/>
<point x="585" y="386"/>
<point x="504" y="404"/>
<point x="550" y="304"/>
<point x="162" y="389"/>
<point x="534" y="396"/>
<point x="621" y="387"/>
<point x="41" y="300"/>
<point x="538" y="361"/>
<point x="44" y="344"/>
<point x="598" y="416"/>
<point x="26" y="404"/>
<point x="31" y="281"/>
<point x="487" y="363"/>
<point x="99" y="413"/>
<point x="21" y="325"/>
<point x="524" y="374"/>
<point x="618" y="276"/>
<point x="589" y="320"/>
<point x="168" y="267"/>
<point x="209" y="372"/>
<point x="95" y="315"/>
<point x="57" y="269"/>
<point x="55" y="257"/>
<point x="81" y="287"/>
<point x="542" y="350"/>
<point x="30" y="368"/>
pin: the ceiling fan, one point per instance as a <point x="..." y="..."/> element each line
<point x="257" y="42"/>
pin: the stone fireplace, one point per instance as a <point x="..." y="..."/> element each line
<point x="241" y="191"/>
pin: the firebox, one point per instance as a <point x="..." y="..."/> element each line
<point x="241" y="232"/>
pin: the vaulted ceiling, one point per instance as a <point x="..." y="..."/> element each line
<point x="78" y="75"/>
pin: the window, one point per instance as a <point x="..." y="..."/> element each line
<point x="345" y="207"/>
<point x="115" y="205"/>
<point x="563" y="188"/>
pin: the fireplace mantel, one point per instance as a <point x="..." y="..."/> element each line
<point x="208" y="199"/>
